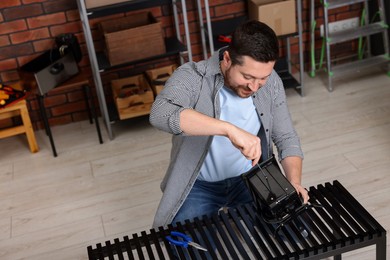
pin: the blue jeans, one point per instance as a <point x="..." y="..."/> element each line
<point x="207" y="198"/>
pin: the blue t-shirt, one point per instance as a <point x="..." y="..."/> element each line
<point x="223" y="160"/>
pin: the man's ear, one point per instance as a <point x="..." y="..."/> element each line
<point x="226" y="59"/>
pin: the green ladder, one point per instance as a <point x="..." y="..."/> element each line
<point x="366" y="29"/>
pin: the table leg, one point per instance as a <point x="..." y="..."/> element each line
<point x="46" y="123"/>
<point x="92" y="110"/>
<point x="381" y="247"/>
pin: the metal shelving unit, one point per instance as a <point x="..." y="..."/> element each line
<point x="99" y="62"/>
<point x="283" y="67"/>
<point x="367" y="29"/>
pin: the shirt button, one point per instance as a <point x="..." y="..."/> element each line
<point x="261" y="114"/>
<point x="266" y="130"/>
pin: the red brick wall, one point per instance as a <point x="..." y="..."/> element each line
<point x="28" y="28"/>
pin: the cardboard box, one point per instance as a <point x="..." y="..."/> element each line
<point x="158" y="77"/>
<point x="133" y="96"/>
<point x="132" y="38"/>
<point x="277" y="14"/>
<point x="99" y="3"/>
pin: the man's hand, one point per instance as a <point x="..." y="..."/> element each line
<point x="302" y="192"/>
<point x="292" y="166"/>
<point x="195" y="123"/>
<point x="247" y="143"/>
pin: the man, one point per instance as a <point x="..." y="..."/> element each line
<point x="224" y="113"/>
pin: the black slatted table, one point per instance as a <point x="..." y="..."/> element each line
<point x="341" y="225"/>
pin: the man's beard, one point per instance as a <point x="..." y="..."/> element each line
<point x="236" y="88"/>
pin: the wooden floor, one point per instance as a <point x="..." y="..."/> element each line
<point x="53" y="208"/>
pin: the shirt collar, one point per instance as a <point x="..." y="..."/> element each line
<point x="211" y="67"/>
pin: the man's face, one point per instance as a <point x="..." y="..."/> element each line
<point x="247" y="78"/>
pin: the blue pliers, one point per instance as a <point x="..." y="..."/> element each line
<point x="185" y="242"/>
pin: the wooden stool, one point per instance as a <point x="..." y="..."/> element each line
<point x="19" y="109"/>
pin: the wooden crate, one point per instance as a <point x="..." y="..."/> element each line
<point x="132" y="38"/>
<point x="133" y="96"/>
<point x="158" y="77"/>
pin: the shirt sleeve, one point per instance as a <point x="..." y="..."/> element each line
<point x="178" y="94"/>
<point x="284" y="134"/>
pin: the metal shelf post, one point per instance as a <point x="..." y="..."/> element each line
<point x="94" y="66"/>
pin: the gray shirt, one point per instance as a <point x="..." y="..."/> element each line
<point x="195" y="85"/>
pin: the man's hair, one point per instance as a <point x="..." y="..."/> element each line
<point x="254" y="39"/>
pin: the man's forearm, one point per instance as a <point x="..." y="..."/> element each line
<point x="195" y="123"/>
<point x="292" y="166"/>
